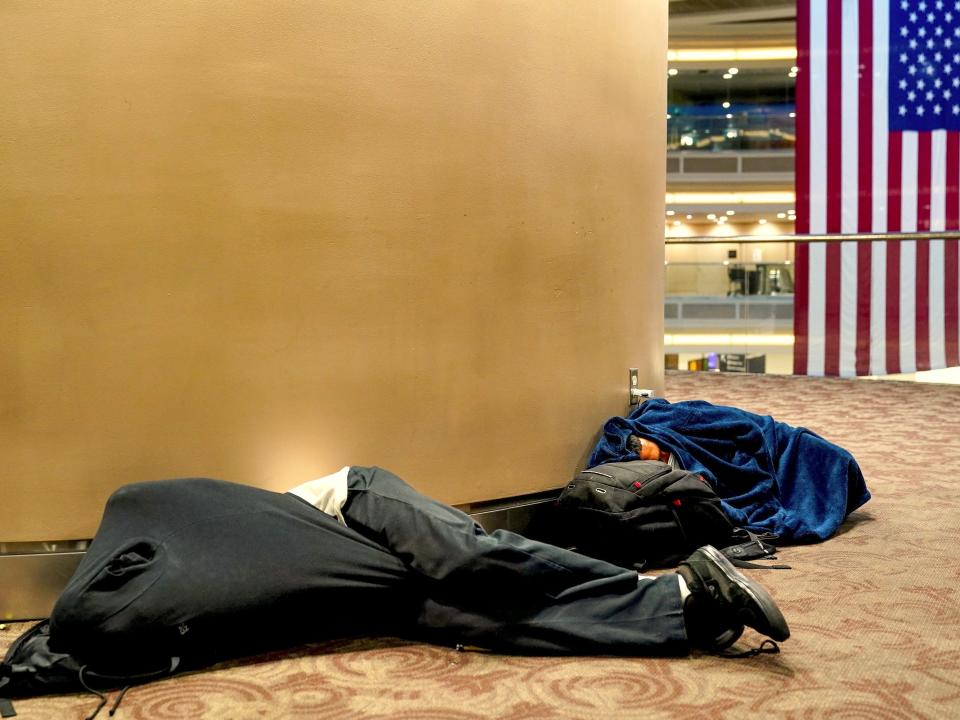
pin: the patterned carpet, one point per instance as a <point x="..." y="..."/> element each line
<point x="875" y="612"/>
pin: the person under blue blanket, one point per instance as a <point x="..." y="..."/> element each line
<point x="770" y="476"/>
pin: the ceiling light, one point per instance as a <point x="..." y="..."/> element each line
<point x="731" y="133"/>
<point x="671" y="212"/>
<point x="762" y="221"/>
<point x="781" y="215"/>
<point x="793" y="114"/>
<point x="727" y="76"/>
<point x="669" y="116"/>
<point x="794" y="69"/>
<point x="731" y="212"/>
<point x="729" y="116"/>
<point x="732" y="54"/>
<point x="689" y="217"/>
<point x="726" y="103"/>
<point x="761" y="197"/>
<point x="672" y="71"/>
<point x="733" y="71"/>
<point x="676" y="222"/>
<point x="715" y="339"/>
<point x="711" y="216"/>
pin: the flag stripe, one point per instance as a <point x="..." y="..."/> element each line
<point x="817" y="186"/>
<point x="835" y="184"/>
<point x="922" y="305"/>
<point x="878" y="305"/>
<point x="951" y="310"/>
<point x="865" y="212"/>
<point x="802" y="187"/>
<point x="952" y="182"/>
<point x="879" y="189"/>
<point x="892" y="301"/>
<point x="850" y="175"/>
<point x="937" y="357"/>
<point x="910" y="143"/>
<point x="922" y="287"/>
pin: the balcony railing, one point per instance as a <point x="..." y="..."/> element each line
<point x="731" y="129"/>
<point x="729" y="300"/>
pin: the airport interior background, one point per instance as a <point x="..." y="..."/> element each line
<point x="730" y="173"/>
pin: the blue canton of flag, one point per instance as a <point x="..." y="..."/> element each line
<point x="924" y="65"/>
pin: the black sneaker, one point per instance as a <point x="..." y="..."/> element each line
<point x="722" y="600"/>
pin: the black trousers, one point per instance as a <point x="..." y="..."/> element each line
<point x="205" y="568"/>
<point x="507" y="592"/>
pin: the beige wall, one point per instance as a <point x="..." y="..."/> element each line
<point x="260" y="240"/>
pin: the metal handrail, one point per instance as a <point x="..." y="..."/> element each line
<point x="810" y="238"/>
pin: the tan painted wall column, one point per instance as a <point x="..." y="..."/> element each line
<point x="260" y="240"/>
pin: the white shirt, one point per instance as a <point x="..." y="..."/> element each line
<point x="328" y="493"/>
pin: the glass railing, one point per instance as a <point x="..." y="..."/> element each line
<point x="731" y="129"/>
<point x="729" y="302"/>
<point x="729" y="278"/>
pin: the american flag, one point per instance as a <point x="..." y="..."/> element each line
<point x="878" y="150"/>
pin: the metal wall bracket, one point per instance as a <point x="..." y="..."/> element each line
<point x="637" y="393"/>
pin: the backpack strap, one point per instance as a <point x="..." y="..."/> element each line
<point x="752" y="547"/>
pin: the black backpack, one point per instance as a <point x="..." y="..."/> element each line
<point x="648" y="514"/>
<point x="31" y="668"/>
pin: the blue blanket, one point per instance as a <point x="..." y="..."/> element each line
<point x="770" y="476"/>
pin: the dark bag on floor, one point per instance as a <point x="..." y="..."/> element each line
<point x="31" y="668"/>
<point x="645" y="514"/>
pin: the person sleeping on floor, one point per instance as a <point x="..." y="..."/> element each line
<point x="183" y="573"/>
<point x="772" y="478"/>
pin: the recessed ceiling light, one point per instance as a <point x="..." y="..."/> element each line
<point x="762" y="221"/>
<point x="781" y="215"/>
<point x="689" y="217"/>
<point x="671" y="212"/>
<point x="711" y="216"/>
<point x="676" y="222"/>
<point x="731" y="212"/>
<point x="730" y="199"/>
<point x="672" y="71"/>
<point x="726" y="103"/>
<point x="788" y="52"/>
<point x="733" y="71"/>
<point x="727" y="76"/>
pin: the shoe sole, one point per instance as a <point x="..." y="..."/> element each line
<point x="778" y="624"/>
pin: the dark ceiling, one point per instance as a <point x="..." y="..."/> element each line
<point x="706" y="22"/>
